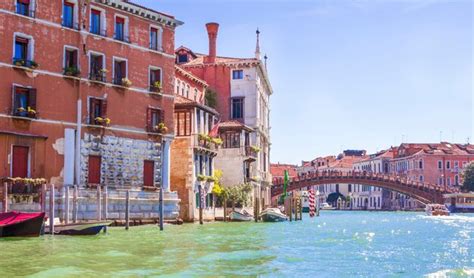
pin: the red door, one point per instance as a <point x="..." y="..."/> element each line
<point x="20" y="162"/>
<point x="148" y="172"/>
<point x="94" y="169"/>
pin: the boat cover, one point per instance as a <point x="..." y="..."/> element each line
<point x="14" y="217"/>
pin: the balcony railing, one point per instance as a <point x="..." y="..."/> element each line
<point x="250" y="152"/>
<point x="100" y="32"/>
<point x="26" y="12"/>
<point x="118" y="81"/>
<point x="201" y="142"/>
<point x="97" y="76"/>
<point x="154" y="89"/>
<point x="122" y="37"/>
<point x="25" y="63"/>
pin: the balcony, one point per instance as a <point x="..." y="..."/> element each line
<point x="206" y="143"/>
<point x="20" y="62"/>
<point x="251" y="152"/>
<point x="97" y="76"/>
<point x="122" y="37"/>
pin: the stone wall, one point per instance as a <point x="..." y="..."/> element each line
<point x="122" y="159"/>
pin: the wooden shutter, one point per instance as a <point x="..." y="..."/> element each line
<point x="21" y="40"/>
<point x="123" y="69"/>
<point x="96" y="12"/>
<point x="26" y="2"/>
<point x="120" y="20"/>
<point x="32" y="99"/>
<point x="148" y="173"/>
<point x="94" y="169"/>
<point x="74" y="58"/>
<point x="103" y="108"/>
<point x="149" y="119"/>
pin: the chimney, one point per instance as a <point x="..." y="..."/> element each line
<point x="212" y="29"/>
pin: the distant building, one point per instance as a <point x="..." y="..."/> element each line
<point x="278" y="170"/>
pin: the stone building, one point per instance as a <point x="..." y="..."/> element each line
<point x="243" y="93"/>
<point x="193" y="151"/>
<point x="87" y="93"/>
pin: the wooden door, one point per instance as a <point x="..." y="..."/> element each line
<point x="94" y="169"/>
<point x="148" y="172"/>
<point x="20" y="162"/>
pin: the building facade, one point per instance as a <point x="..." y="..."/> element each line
<point x="87" y="93"/>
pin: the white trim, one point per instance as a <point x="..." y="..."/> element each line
<point x="31" y="45"/>
<point x="150" y="68"/>
<point x="159" y="39"/>
<point x="104" y="64"/>
<point x="125" y="27"/>
<point x="52" y="24"/>
<point x="32" y="7"/>
<point x="119" y="59"/>
<point x="75" y="18"/>
<point x="103" y="19"/>
<point x="66" y="47"/>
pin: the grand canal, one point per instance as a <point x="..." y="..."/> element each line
<point x="337" y="244"/>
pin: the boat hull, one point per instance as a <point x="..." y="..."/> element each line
<point x="28" y="228"/>
<point x="239" y="217"/>
<point x="273" y="216"/>
<point x="84" y="229"/>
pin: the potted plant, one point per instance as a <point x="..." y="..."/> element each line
<point x="33" y="65"/>
<point x="19" y="62"/>
<point x="255" y="149"/>
<point x="201" y="178"/>
<point x="71" y="71"/>
<point x="217" y="141"/>
<point x="20" y="109"/>
<point x="156" y="87"/>
<point x="126" y="82"/>
<point x="31" y="111"/>
<point x="102" y="121"/>
<point x="161" y="128"/>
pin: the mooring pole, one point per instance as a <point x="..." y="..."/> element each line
<point x="301" y="208"/>
<point x="51" y="210"/>
<point x="99" y="203"/>
<point x="106" y="202"/>
<point x="127" y="210"/>
<point x="5" y="197"/>
<point x="200" y="204"/>
<point x="66" y="204"/>
<point x="291" y="208"/>
<point x="225" y="209"/>
<point x="74" y="204"/>
<point x="43" y="197"/>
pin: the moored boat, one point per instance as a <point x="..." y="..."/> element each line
<point x="80" y="229"/>
<point x="326" y="206"/>
<point x="436" y="210"/>
<point x="273" y="215"/>
<point x="240" y="216"/>
<point x="21" y="224"/>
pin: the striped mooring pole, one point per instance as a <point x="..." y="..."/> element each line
<point x="311" y="203"/>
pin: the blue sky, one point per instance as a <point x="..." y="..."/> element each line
<point x="349" y="74"/>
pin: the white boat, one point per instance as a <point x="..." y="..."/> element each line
<point x="240" y="216"/>
<point x="326" y="206"/>
<point x="436" y="210"/>
<point x="459" y="202"/>
<point x="273" y="215"/>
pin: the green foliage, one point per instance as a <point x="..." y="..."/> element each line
<point x="211" y="98"/>
<point x="217" y="188"/>
<point x="238" y="194"/>
<point x="468" y="176"/>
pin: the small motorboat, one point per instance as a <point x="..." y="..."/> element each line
<point x="21" y="224"/>
<point x="326" y="206"/>
<point x="436" y="210"/>
<point x="240" y="216"/>
<point x="273" y="215"/>
<point x="80" y="229"/>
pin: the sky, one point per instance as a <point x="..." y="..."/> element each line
<point x="362" y="74"/>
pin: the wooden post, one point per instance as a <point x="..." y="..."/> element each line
<point x="200" y="204"/>
<point x="290" y="208"/>
<point x="317" y="204"/>
<point x="99" y="204"/>
<point x="255" y="206"/>
<point x="43" y="197"/>
<point x="225" y="210"/>
<point x="106" y="202"/>
<point x="66" y="204"/>
<point x="51" y="210"/>
<point x="5" y="197"/>
<point x="75" y="205"/>
<point x="301" y="208"/>
<point x="127" y="210"/>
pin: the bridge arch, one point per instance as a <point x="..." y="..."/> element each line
<point x="423" y="192"/>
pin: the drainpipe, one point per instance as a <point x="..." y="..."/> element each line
<point x="77" y="155"/>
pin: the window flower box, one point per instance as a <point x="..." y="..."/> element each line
<point x="161" y="128"/>
<point x="72" y="71"/>
<point x="20" y="62"/>
<point x="102" y="121"/>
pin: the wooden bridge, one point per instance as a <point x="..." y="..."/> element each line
<point x="424" y="192"/>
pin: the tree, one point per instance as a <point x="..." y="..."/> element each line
<point x="468" y="176"/>
<point x="211" y="98"/>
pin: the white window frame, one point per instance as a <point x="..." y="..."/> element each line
<point x="32" y="6"/>
<point x="31" y="45"/>
<point x="126" y="28"/>
<point x="104" y="64"/>
<point x="440" y="162"/>
<point x="150" y="68"/>
<point x="103" y="19"/>
<point x="119" y="59"/>
<point x="75" y="18"/>
<point x="69" y="47"/>
<point x="456" y="164"/>
<point x="159" y="39"/>
<point x="448" y="164"/>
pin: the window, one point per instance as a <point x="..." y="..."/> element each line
<point x="182" y="58"/>
<point x="68" y="15"/>
<point x="120" y="71"/>
<point x="94" y="169"/>
<point x="97" y="22"/>
<point x="231" y="140"/>
<point x="23" y="53"/>
<point x="448" y="180"/>
<point x="420" y="164"/>
<point x="97" y="109"/>
<point x="24" y="102"/>
<point x="97" y="71"/>
<point x="182" y="123"/>
<point x="155" y="79"/>
<point x="237" y="74"/>
<point x="71" y="65"/>
<point x="149" y="173"/>
<point x="440" y="164"/>
<point x="421" y="178"/>
<point x="25" y="7"/>
<point x="456" y="164"/>
<point x="237" y="108"/>
<point x="448" y="164"/>
<point x="456" y="180"/>
<point x="154" y="118"/>
<point x="155" y="38"/>
<point x="440" y="181"/>
<point x="121" y="33"/>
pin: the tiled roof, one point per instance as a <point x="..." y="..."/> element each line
<point x="222" y="60"/>
<point x="191" y="76"/>
<point x="181" y="101"/>
<point x="407" y="149"/>
<point x="234" y="124"/>
<point x="278" y="170"/>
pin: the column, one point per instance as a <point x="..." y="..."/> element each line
<point x="165" y="164"/>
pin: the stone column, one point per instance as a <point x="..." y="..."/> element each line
<point x="165" y="164"/>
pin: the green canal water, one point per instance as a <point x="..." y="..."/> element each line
<point x="337" y="244"/>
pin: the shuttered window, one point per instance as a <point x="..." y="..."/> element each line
<point x="97" y="108"/>
<point x="24" y="102"/>
<point x="183" y="123"/>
